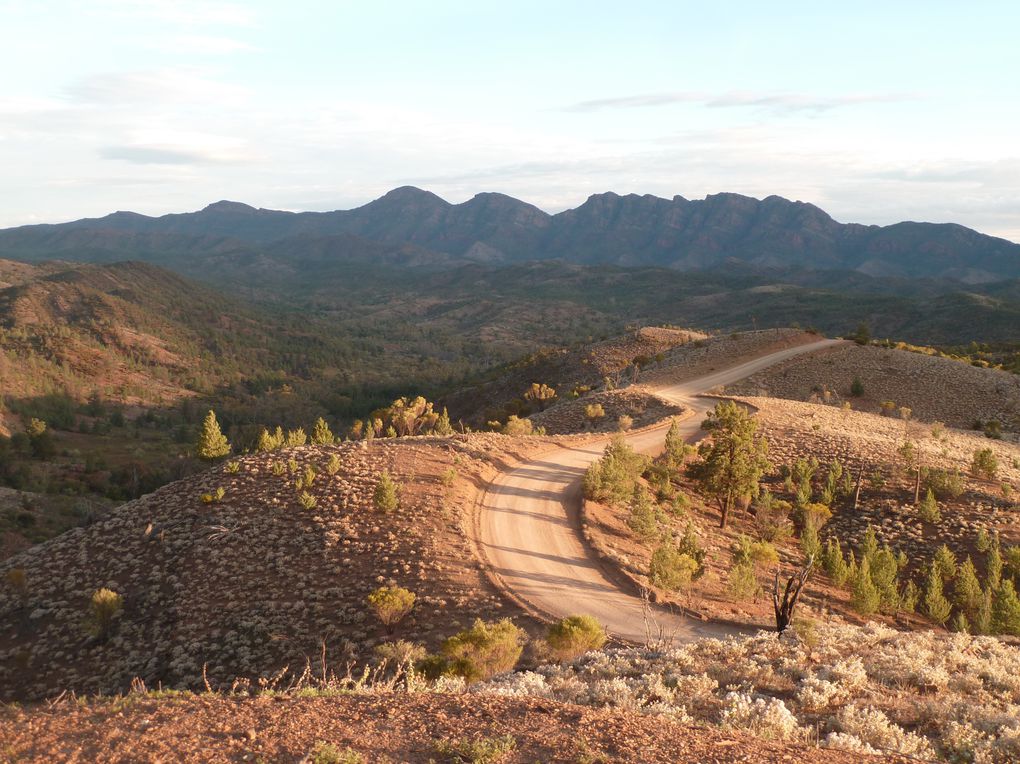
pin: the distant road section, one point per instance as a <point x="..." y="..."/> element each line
<point x="529" y="530"/>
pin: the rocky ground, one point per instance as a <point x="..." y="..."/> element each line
<point x="255" y="582"/>
<point x="584" y="367"/>
<point x="868" y="441"/>
<point x="935" y="389"/>
<point x="694" y="359"/>
<point x="375" y="729"/>
<point x="640" y="408"/>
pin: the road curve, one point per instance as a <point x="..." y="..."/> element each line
<point x="529" y="532"/>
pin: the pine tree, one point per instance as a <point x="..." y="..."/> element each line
<point x="961" y="624"/>
<point x="1006" y="610"/>
<point x="936" y="606"/>
<point x="676" y="448"/>
<point x="835" y="565"/>
<point x="321" y="434"/>
<point x="642" y="518"/>
<point x="733" y="460"/>
<point x="967" y="589"/>
<point x="993" y="565"/>
<point x="928" y="509"/>
<point x="945" y="561"/>
<point x="385" y="497"/>
<point x="809" y="543"/>
<point x="443" y="428"/>
<point x="910" y="596"/>
<point x="212" y="443"/>
<point x="865" y="598"/>
<point x="982" y="621"/>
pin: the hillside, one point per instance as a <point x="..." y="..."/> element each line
<point x="255" y="582"/>
<point x="608" y="228"/>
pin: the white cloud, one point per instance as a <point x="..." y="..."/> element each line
<point x="778" y="102"/>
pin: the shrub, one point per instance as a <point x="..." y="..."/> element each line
<point x="327" y="753"/>
<point x="771" y="518"/>
<point x="385" y="498"/>
<point x="810" y="545"/>
<point x="594" y="412"/>
<point x="611" y="479"/>
<point x="306" y="500"/>
<point x="333" y="465"/>
<point x="485" y="649"/>
<point x="812" y="515"/>
<point x="857" y="388"/>
<point x="624" y="422"/>
<point x="105" y="606"/>
<point x="575" y="635"/>
<point x="269" y="441"/>
<point x="296" y="437"/>
<point x="944" y="483"/>
<point x="449" y="476"/>
<point x="481" y="750"/>
<point x="672" y="569"/>
<point x="400" y="653"/>
<point x="518" y="427"/>
<point x="233" y="468"/>
<point x="17" y="581"/>
<point x="984" y="464"/>
<point x="391" y="604"/>
<point x="321" y="434"/>
<point x="967" y="589"/>
<point x="215" y="497"/>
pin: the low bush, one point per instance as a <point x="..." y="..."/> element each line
<point x="574" y="636"/>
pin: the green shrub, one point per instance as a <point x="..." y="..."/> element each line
<point x="984" y="464"/>
<point x="643" y="520"/>
<point x="321" y="434"/>
<point x="212" y="443"/>
<point x="400" y="653"/>
<point x="485" y="649"/>
<point x="327" y="753"/>
<point x="936" y="606"/>
<point x="857" y="388"/>
<point x="944" y="483"/>
<point x="391" y="604"/>
<point x="741" y="582"/>
<point x="928" y="509"/>
<point x="306" y="500"/>
<point x="834" y="562"/>
<point x="480" y="750"/>
<point x="518" y="427"/>
<point x="575" y="635"/>
<point x="865" y="597"/>
<point x="612" y="478"/>
<point x="333" y="465"/>
<point x="1006" y="610"/>
<point x="671" y="569"/>
<point x="385" y="498"/>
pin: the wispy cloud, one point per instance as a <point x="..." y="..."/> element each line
<point x="779" y="102"/>
<point x="160" y="86"/>
<point x="159" y="155"/>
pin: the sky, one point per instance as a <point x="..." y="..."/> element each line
<point x="875" y="111"/>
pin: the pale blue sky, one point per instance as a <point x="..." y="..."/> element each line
<point x="877" y="112"/>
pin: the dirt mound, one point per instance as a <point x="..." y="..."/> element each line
<point x="375" y="728"/>
<point x="565" y="370"/>
<point x="255" y="581"/>
<point x="868" y="441"/>
<point x="702" y="356"/>
<point x="935" y="389"/>
<point x="572" y="416"/>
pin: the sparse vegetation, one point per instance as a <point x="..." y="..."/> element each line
<point x="391" y="604"/>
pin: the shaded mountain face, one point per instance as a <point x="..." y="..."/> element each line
<point x="409" y="225"/>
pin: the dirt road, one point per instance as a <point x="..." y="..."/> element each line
<point x="529" y="531"/>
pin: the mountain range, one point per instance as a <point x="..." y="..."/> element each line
<point x="409" y="226"/>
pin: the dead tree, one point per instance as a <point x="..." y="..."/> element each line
<point x="791" y="593"/>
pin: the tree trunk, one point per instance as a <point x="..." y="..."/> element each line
<point x="726" y="509"/>
<point x="917" y="485"/>
<point x="857" y="489"/>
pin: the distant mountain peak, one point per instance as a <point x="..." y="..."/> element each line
<point x="225" y="205"/>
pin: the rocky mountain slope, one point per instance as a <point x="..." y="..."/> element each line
<point x="608" y="228"/>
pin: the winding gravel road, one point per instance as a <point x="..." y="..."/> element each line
<point x="529" y="527"/>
